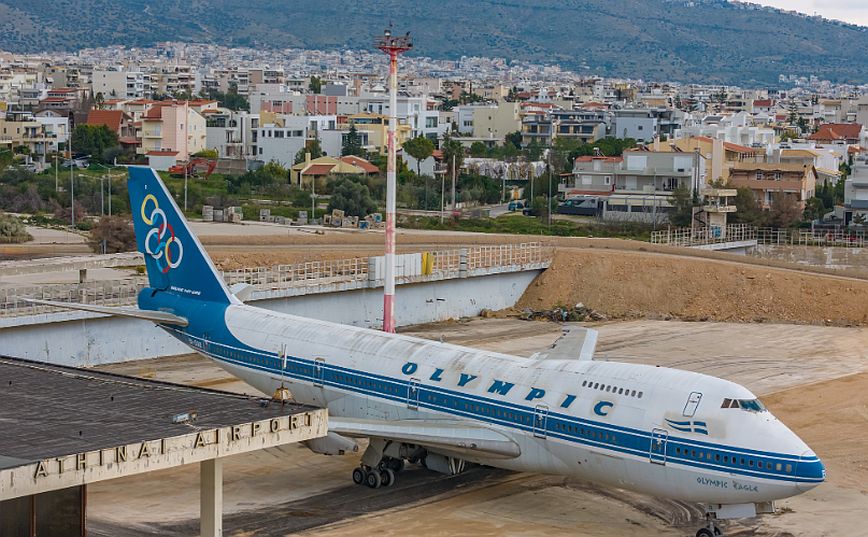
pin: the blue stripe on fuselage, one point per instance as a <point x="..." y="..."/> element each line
<point x="565" y="427"/>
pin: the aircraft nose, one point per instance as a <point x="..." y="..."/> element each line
<point x="810" y="471"/>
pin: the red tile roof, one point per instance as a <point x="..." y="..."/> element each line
<point x="837" y="131"/>
<point x="359" y="162"/>
<point x="154" y="113"/>
<point x="110" y="118"/>
<point x="318" y="169"/>
<point x="763" y="102"/>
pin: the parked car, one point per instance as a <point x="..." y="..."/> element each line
<point x="515" y="205"/>
<point x="581" y="206"/>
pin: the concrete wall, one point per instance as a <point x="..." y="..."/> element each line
<point x="84" y="339"/>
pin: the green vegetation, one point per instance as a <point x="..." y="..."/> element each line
<point x="352" y="143"/>
<point x="420" y="148"/>
<point x="231" y="99"/>
<point x="315" y="84"/>
<point x="353" y="197"/>
<point x="12" y="230"/>
<point x="112" y="234"/>
<point x="523" y="225"/>
<point x="98" y="141"/>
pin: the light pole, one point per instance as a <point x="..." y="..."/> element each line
<point x="393" y="46"/>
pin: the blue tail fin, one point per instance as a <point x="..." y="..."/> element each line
<point x="175" y="259"/>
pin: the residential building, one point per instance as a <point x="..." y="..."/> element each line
<point x="856" y="193"/>
<point x="838" y="133"/>
<point x="119" y="122"/>
<point x="311" y="169"/>
<point x="119" y="83"/>
<point x="766" y="180"/>
<point x="231" y="134"/>
<point x="173" y="126"/>
<point x="543" y="125"/>
<point x="496" y="121"/>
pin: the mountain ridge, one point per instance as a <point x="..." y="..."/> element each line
<point x="711" y="41"/>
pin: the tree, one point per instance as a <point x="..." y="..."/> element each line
<point x="514" y="138"/>
<point x="206" y="153"/>
<point x="12" y="230"/>
<point x="112" y="234"/>
<point x="815" y="208"/>
<point x="478" y="150"/>
<point x="453" y="151"/>
<point x="683" y="202"/>
<point x="420" y="148"/>
<point x="352" y="197"/>
<point x="315" y="85"/>
<point x="748" y="210"/>
<point x="93" y="140"/>
<point x="785" y="211"/>
<point x="352" y="143"/>
<point x="313" y="147"/>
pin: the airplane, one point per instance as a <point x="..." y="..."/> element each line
<point x="655" y="430"/>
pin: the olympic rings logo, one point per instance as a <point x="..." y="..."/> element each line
<point x="160" y="242"/>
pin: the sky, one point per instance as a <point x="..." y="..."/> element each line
<point x="852" y="11"/>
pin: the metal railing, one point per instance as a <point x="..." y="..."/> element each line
<point x="844" y="238"/>
<point x="704" y="235"/>
<point x="310" y="273"/>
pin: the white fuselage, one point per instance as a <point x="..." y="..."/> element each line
<point x="651" y="429"/>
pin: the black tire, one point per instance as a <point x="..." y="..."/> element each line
<point x="396" y="465"/>
<point x="358" y="476"/>
<point x="704" y="532"/>
<point x="387" y="477"/>
<point x="373" y="480"/>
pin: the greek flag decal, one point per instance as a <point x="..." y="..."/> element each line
<point x="698" y="427"/>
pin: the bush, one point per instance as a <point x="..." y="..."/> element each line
<point x="12" y="230"/>
<point x="354" y="198"/>
<point x="112" y="234"/>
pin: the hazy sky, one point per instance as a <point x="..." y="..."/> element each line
<point x="852" y="11"/>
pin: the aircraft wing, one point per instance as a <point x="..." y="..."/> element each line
<point x="148" y="315"/>
<point x="453" y="436"/>
<point x="576" y="343"/>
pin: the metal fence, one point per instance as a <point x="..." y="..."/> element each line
<point x="704" y="235"/>
<point x="687" y="237"/>
<point x="445" y="262"/>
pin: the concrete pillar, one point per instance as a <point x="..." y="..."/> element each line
<point x="462" y="263"/>
<point x="82" y="275"/>
<point x="211" y="498"/>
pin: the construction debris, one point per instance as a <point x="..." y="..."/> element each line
<point x="563" y="314"/>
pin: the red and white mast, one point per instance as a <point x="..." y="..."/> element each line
<point x="391" y="45"/>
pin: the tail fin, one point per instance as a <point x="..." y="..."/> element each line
<point x="175" y="259"/>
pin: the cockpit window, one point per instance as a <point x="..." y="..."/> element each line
<point x="751" y="405"/>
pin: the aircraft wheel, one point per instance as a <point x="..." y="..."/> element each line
<point x="704" y="532"/>
<point x="387" y="477"/>
<point x="373" y="479"/>
<point x="396" y="465"/>
<point x="358" y="476"/>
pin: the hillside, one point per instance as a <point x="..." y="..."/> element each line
<point x="698" y="40"/>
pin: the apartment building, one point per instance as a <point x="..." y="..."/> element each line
<point x="856" y="194"/>
<point x="119" y="84"/>
<point x="232" y="134"/>
<point x="766" y="180"/>
<point x="173" y="127"/>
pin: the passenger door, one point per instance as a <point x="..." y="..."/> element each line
<point x="657" y="452"/>
<point x="540" y="421"/>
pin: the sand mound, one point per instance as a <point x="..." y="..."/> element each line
<point x="624" y="284"/>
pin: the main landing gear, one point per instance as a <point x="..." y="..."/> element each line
<point x="711" y="529"/>
<point x="383" y="475"/>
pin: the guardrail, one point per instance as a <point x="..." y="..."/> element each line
<point x="445" y="263"/>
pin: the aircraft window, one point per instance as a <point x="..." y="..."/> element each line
<point x="608" y="388"/>
<point x="693" y="453"/>
<point x="584" y="383"/>
<point x="596" y="385"/>
<point x="778" y="467"/>
<point x="678" y="451"/>
<point x="768" y="466"/>
<point x="726" y="403"/>
<point x="752" y="405"/>
<point x="620" y="391"/>
<point x="789" y="468"/>
<point x="750" y="463"/>
<point x="726" y="459"/>
<point x="614" y="439"/>
<point x="742" y="461"/>
<point x="633" y="393"/>
<point x="640" y="395"/>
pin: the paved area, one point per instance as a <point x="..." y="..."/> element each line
<point x="292" y="491"/>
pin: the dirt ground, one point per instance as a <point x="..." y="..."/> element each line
<point x="814" y="378"/>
